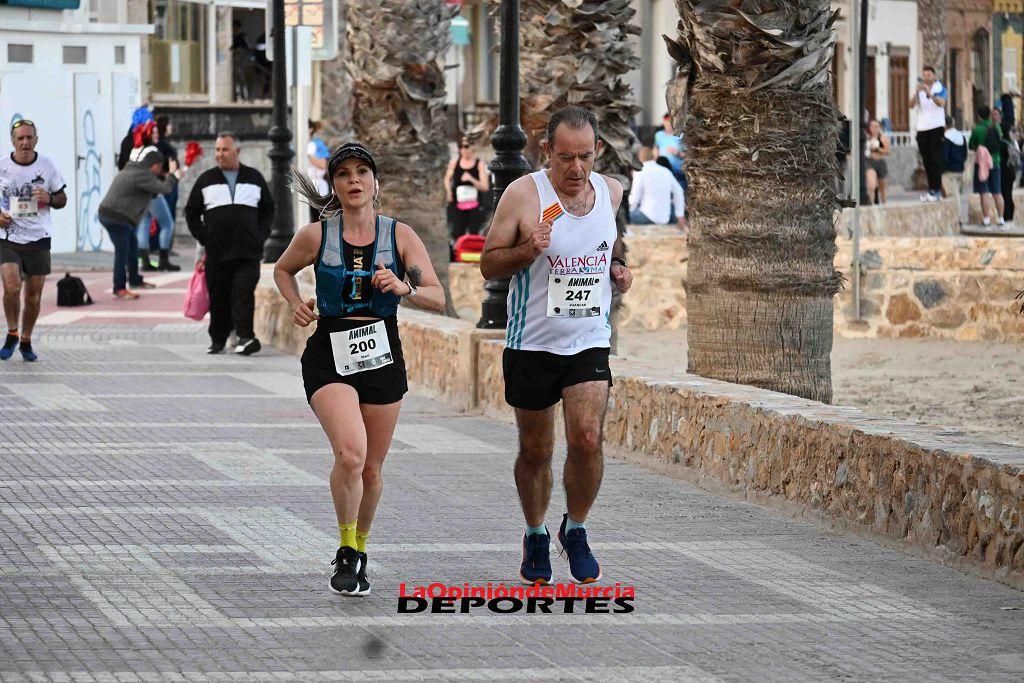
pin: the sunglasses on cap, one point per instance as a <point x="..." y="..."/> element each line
<point x="21" y="122"/>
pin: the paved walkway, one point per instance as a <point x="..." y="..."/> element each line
<point x="164" y="515"/>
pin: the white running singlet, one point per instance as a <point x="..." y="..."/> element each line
<point x="561" y="303"/>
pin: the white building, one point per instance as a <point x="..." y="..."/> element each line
<point x="76" y="73"/>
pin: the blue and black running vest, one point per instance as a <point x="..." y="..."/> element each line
<point x="333" y="275"/>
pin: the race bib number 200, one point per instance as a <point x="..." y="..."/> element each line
<point x="361" y="349"/>
<point x="574" y="296"/>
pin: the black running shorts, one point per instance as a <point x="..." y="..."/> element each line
<point x="534" y="379"/>
<point x="29" y="261"/>
<point x="381" y="386"/>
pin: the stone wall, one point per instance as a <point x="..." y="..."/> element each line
<point x="954" y="288"/>
<point x="903" y="219"/>
<point x="949" y="498"/>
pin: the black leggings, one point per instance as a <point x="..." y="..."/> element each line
<point x="1007" y="178"/>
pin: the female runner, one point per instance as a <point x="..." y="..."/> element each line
<point x="353" y="368"/>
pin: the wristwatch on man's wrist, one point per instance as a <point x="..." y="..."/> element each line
<point x="621" y="262"/>
<point x="412" y="290"/>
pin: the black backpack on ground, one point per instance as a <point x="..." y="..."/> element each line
<point x="71" y="291"/>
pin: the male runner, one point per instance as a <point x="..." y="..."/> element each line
<point x="30" y="185"/>
<point x="554" y="234"/>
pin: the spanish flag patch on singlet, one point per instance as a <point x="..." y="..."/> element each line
<point x="552" y="213"/>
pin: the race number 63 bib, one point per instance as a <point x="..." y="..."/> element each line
<point x="24" y="208"/>
<point x="364" y="348"/>
<point x="574" y="296"/>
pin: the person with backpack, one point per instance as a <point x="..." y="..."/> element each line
<point x="954" y="158"/>
<point x="1009" y="160"/>
<point x="989" y="187"/>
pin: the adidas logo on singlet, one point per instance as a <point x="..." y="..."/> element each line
<point x="603" y="247"/>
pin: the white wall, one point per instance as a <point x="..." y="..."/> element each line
<point x="889" y="21"/>
<point x="44" y="91"/>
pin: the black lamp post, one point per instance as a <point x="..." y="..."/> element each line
<point x="282" y="228"/>
<point x="509" y="141"/>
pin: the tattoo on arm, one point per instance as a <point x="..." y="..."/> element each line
<point x="415" y="275"/>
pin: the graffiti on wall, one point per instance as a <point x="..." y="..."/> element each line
<point x="90" y="231"/>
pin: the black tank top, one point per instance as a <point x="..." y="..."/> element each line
<point x="457" y="176"/>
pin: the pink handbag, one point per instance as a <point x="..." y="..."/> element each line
<point x="197" y="298"/>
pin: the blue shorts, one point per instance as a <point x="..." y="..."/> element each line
<point x="994" y="184"/>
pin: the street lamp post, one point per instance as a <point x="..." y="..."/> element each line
<point x="280" y="155"/>
<point x="509" y="141"/>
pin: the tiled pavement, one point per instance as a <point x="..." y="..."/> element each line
<point x="164" y="515"/>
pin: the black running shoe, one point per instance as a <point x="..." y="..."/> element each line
<point x="345" y="580"/>
<point x="215" y="348"/>
<point x="27" y="353"/>
<point x="364" y="583"/>
<point x="247" y="347"/>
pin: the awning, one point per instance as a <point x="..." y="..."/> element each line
<point x="43" y="4"/>
<point x="460" y="30"/>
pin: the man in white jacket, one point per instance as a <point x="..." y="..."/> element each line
<point x="656" y="198"/>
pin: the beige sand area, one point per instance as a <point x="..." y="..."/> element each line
<point x="972" y="387"/>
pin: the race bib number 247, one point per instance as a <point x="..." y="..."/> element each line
<point x="574" y="296"/>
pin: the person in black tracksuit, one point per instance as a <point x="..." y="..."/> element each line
<point x="229" y="212"/>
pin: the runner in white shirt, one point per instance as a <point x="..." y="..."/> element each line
<point x="930" y="99"/>
<point x="554" y="234"/>
<point x="655" y="194"/>
<point x="30" y="186"/>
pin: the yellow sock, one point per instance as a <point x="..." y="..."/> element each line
<point x="361" y="537"/>
<point x="348" y="534"/>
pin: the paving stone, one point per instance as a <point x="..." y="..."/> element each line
<point x="167" y="517"/>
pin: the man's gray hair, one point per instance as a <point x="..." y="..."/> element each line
<point x="229" y="134"/>
<point x="573" y="117"/>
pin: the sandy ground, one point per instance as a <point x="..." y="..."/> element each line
<point x="973" y="387"/>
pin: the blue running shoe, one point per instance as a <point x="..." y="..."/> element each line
<point x="583" y="566"/>
<point x="27" y="354"/>
<point x="7" y="350"/>
<point x="536" y="566"/>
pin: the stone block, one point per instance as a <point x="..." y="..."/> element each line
<point x="947" y="317"/>
<point x="902" y="309"/>
<point x="929" y="292"/>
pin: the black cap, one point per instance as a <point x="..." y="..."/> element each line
<point x="350" y="150"/>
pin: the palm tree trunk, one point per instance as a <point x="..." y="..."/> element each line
<point x="753" y="95"/>
<point x="395" y="58"/>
